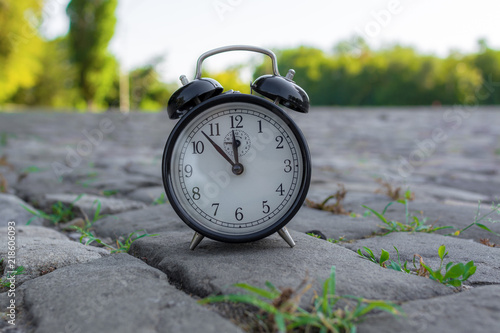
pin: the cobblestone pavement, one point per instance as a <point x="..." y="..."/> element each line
<point x="449" y="158"/>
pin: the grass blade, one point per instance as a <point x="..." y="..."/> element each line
<point x="259" y="291"/>
<point x="377" y="214"/>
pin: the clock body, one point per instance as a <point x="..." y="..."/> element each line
<point x="236" y="168"/>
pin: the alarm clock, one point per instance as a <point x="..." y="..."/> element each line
<point x="236" y="167"/>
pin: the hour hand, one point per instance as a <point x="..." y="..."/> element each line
<point x="219" y="149"/>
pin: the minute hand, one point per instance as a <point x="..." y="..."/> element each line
<point x="235" y="149"/>
<point x="219" y="149"/>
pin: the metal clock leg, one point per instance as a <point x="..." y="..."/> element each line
<point x="196" y="240"/>
<point x="283" y="232"/>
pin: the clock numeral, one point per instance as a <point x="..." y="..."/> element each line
<point x="216" y="208"/>
<point x="279" y="140"/>
<point x="280" y="190"/>
<point x="188" y="169"/>
<point x="265" y="207"/>
<point x="238" y="214"/>
<point x="236" y="119"/>
<point x="196" y="193"/>
<point x="198" y="147"/>
<point x="216" y="127"/>
<point x="260" y="126"/>
<point x="288" y="166"/>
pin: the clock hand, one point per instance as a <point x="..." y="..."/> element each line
<point x="219" y="149"/>
<point x="235" y="149"/>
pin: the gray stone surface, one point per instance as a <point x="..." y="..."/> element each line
<point x="35" y="185"/>
<point x="333" y="225"/>
<point x="88" y="204"/>
<point x="213" y="267"/>
<point x="147" y="194"/>
<point x="487" y="259"/>
<point x="11" y="208"/>
<point x="161" y="218"/>
<point x="41" y="250"/>
<point x="31" y="231"/>
<point x="439" y="214"/>
<point x="114" y="294"/>
<point x="470" y="311"/>
<point x="352" y="146"/>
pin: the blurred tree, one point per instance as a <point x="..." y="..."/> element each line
<point x="308" y="63"/>
<point x="230" y="78"/>
<point x="356" y="75"/>
<point x="488" y="63"/>
<point x="92" y="25"/>
<point x="20" y="45"/>
<point x="56" y="86"/>
<point x="147" y="92"/>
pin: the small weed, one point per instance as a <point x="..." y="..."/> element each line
<point x="32" y="169"/>
<point x="5" y="281"/>
<point x="454" y="275"/>
<point x="394" y="193"/>
<point x="91" y="177"/>
<point x="4" y="139"/>
<point x="384" y="260"/>
<point x="26" y="171"/>
<point x="313" y="235"/>
<point x="319" y="235"/>
<point x="412" y="223"/>
<point x="109" y="193"/>
<point x="4" y="186"/>
<point x="60" y="212"/>
<point x="337" y="207"/>
<point x="282" y="312"/>
<point x="486" y="241"/>
<point x="341" y="239"/>
<point x="495" y="208"/>
<point x="162" y="199"/>
<point x="6" y="163"/>
<point x="87" y="236"/>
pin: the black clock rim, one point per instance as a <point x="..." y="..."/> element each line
<point x="188" y="117"/>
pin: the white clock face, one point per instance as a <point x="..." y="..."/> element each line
<point x="236" y="168"/>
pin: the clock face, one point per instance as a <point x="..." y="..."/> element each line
<point x="236" y="170"/>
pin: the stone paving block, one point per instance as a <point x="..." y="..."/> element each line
<point x="475" y="310"/>
<point x="151" y="169"/>
<point x="441" y="214"/>
<point x="487" y="259"/>
<point x="41" y="250"/>
<point x="147" y="194"/>
<point x="11" y="209"/>
<point x="34" y="187"/>
<point x="120" y="181"/>
<point x="486" y="185"/>
<point x="214" y="267"/>
<point x="154" y="219"/>
<point x="333" y="225"/>
<point x="114" y="294"/>
<point x="88" y="204"/>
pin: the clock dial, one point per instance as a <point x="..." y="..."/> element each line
<point x="237" y="169"/>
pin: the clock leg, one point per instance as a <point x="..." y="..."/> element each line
<point x="283" y="232"/>
<point x="195" y="241"/>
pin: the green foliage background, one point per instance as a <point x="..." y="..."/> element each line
<point x="396" y="75"/>
<point x="77" y="71"/>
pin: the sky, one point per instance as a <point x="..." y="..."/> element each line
<point x="180" y="31"/>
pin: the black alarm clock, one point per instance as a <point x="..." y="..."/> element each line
<point x="236" y="168"/>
